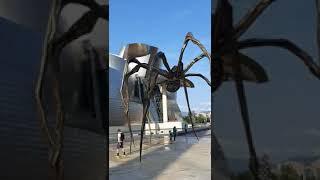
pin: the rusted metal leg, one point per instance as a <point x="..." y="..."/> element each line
<point x="146" y="104"/>
<point x="190" y="113"/>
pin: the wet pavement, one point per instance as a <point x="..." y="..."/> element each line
<point x="186" y="158"/>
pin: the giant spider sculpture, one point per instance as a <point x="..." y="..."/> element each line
<point x="175" y="77"/>
<point x="53" y="46"/>
<point x="230" y="64"/>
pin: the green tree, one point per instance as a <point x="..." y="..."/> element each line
<point x="266" y="168"/>
<point x="197" y="119"/>
<point x="201" y="119"/>
<point x="186" y="119"/>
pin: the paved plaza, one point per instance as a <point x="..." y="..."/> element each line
<point x="186" y="159"/>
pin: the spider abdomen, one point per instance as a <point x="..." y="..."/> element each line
<point x="173" y="86"/>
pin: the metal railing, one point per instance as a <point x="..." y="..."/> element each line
<point x="155" y="133"/>
<point x="159" y="130"/>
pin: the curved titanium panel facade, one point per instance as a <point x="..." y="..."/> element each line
<point x="116" y="68"/>
<point x="116" y="114"/>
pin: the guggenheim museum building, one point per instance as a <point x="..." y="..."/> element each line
<point x="163" y="106"/>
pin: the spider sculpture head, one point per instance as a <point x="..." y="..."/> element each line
<point x="174" y="78"/>
<point x="176" y="74"/>
<point x="173" y="86"/>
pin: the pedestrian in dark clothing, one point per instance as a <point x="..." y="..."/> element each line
<point x="174" y="133"/>
<point x="170" y="134"/>
<point x="185" y="128"/>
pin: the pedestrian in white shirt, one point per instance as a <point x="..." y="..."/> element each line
<point x="120" y="142"/>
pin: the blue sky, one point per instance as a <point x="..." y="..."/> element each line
<point x="164" y="24"/>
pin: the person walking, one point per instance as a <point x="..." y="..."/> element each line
<point x="174" y="133"/>
<point x="120" y="142"/>
<point x="170" y="135"/>
<point x="185" y="128"/>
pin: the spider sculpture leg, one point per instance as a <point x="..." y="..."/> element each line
<point x="55" y="140"/>
<point x="199" y="75"/>
<point x="153" y="85"/>
<point x="149" y="125"/>
<point x="217" y="66"/>
<point x="92" y="4"/>
<point x="162" y="56"/>
<point x="143" y="92"/>
<point x="151" y="79"/>
<point x="189" y="37"/>
<point x="146" y="104"/>
<point x="205" y="53"/>
<point x="318" y="27"/>
<point x="51" y="54"/>
<point x="81" y="27"/>
<point x="40" y="81"/>
<point x="125" y="94"/>
<point x="250" y="17"/>
<point x="190" y="113"/>
<point x="56" y="158"/>
<point x="150" y="68"/>
<point x="125" y="97"/>
<point x="164" y="60"/>
<point x="194" y="61"/>
<point x="216" y="22"/>
<point x="254" y="164"/>
<point x="151" y="82"/>
<point x="222" y="21"/>
<point x="185" y="83"/>
<point x="142" y="95"/>
<point x="282" y="43"/>
<point x="286" y="44"/>
<point x="218" y="73"/>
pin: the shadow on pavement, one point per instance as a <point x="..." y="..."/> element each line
<point x="155" y="162"/>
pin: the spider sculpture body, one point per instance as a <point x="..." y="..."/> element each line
<point x="174" y="78"/>
<point x="230" y="64"/>
<point x="54" y="43"/>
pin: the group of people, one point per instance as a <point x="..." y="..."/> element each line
<point x="121" y="138"/>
